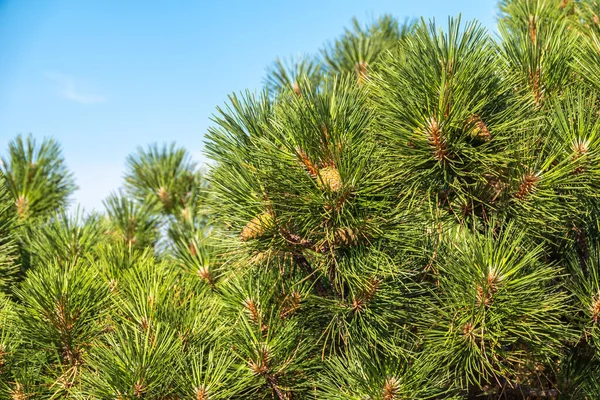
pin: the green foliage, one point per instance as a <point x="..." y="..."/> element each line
<point x="412" y="216"/>
<point x="497" y="312"/>
<point x="9" y="255"/>
<point x="288" y="74"/>
<point x="165" y="175"/>
<point x="134" y="224"/>
<point x="357" y="51"/>
<point x="37" y="177"/>
<point x="361" y="374"/>
<point x="212" y="375"/>
<point x="165" y="189"/>
<point x="190" y="224"/>
<point x="132" y="364"/>
<point x="445" y="120"/>
<point x="420" y="216"/>
<point x="61" y="311"/>
<point x="64" y="238"/>
<point x="538" y="44"/>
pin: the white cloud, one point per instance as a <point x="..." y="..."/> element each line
<point x="69" y="89"/>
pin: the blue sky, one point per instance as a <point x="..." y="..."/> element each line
<point x="103" y="77"/>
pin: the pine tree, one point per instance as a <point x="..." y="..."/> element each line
<point x="438" y="188"/>
<point x="131" y="223"/>
<point x="165" y="175"/>
<point x="37" y="177"/>
<point x="64" y="238"/>
<point x="357" y="51"/>
<point x="9" y="252"/>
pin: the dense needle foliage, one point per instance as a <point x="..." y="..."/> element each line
<point x="411" y="213"/>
